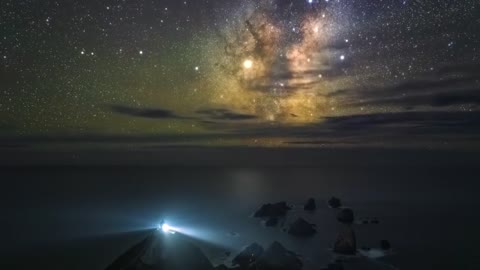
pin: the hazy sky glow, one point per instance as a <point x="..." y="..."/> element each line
<point x="267" y="73"/>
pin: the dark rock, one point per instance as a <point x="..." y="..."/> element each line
<point x="345" y="216"/>
<point x="334" y="202"/>
<point x="277" y="257"/>
<point x="248" y="255"/>
<point x="130" y="259"/>
<point x="334" y="266"/>
<point x="272" y="210"/>
<point x="385" y="245"/>
<point x="302" y="228"/>
<point x="310" y="205"/>
<point x="346" y="242"/>
<point x="271" y="222"/>
<point x="157" y="252"/>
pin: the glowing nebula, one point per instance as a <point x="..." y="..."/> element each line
<point x="272" y="69"/>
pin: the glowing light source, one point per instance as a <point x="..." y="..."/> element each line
<point x="248" y="64"/>
<point x="167" y="228"/>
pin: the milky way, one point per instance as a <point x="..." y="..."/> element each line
<point x="245" y="71"/>
<point x="277" y="65"/>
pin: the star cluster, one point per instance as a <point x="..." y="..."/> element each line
<point x="235" y="67"/>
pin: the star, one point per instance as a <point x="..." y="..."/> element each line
<point x="247" y="64"/>
<point x="288" y="61"/>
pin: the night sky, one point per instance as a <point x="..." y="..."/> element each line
<point x="117" y="114"/>
<point x="232" y="72"/>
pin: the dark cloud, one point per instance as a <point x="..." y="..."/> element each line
<point x="208" y="115"/>
<point x="365" y="129"/>
<point x="426" y="85"/>
<point x="357" y="129"/>
<point x="432" y="127"/>
<point x="430" y="119"/>
<point x="319" y="142"/>
<point x="329" y="73"/>
<point x="448" y="86"/>
<point x="225" y="114"/>
<point x="155" y="113"/>
<point x="435" y="99"/>
<point x="460" y="97"/>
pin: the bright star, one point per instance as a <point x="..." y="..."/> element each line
<point x="248" y="64"/>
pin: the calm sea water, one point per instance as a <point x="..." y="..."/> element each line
<point x="82" y="217"/>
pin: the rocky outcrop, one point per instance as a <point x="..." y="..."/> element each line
<point x="346" y="242"/>
<point x="248" y="256"/>
<point x="310" y="205"/>
<point x="156" y="252"/>
<point x="302" y="228"/>
<point x="334" y="266"/>
<point x="334" y="202"/>
<point x="345" y="216"/>
<point x="272" y="210"/>
<point x="277" y="257"/>
<point x="271" y="222"/>
<point x="385" y="245"/>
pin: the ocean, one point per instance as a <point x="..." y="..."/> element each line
<point x="82" y="216"/>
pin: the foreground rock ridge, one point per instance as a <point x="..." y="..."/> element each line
<point x="166" y="251"/>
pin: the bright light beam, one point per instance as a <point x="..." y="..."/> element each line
<point x="167" y="228"/>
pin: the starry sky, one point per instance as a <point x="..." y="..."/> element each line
<point x="297" y="73"/>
